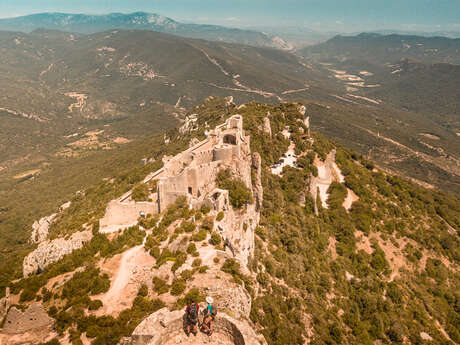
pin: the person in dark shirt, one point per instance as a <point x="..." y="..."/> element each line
<point x="192" y="317"/>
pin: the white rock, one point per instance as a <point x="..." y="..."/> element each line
<point x="52" y="251"/>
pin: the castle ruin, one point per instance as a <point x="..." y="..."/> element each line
<point x="192" y="174"/>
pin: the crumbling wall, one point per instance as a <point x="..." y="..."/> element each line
<point x="120" y="215"/>
<point x="18" y="322"/>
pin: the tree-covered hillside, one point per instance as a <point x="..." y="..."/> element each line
<point x="384" y="271"/>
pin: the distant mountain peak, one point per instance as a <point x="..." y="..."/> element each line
<point x="88" y="24"/>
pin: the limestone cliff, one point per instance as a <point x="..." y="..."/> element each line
<point x="48" y="252"/>
<point x="41" y="228"/>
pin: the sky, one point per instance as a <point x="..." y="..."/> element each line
<point x="319" y="15"/>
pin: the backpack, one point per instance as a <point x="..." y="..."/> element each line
<point x="193" y="312"/>
<point x="213" y="311"/>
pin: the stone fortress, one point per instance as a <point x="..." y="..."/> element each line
<point x="192" y="174"/>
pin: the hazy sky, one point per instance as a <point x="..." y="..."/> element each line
<point x="339" y="15"/>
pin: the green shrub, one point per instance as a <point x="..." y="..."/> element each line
<point x="188" y="226"/>
<point x="191" y="248"/>
<point x="74" y="337"/>
<point x="261" y="232"/>
<point x="140" y="192"/>
<point x="200" y="235"/>
<point x="46" y="294"/>
<point x="196" y="263"/>
<point x="198" y="215"/>
<point x="164" y="257"/>
<point x="239" y="194"/>
<point x="337" y="194"/>
<point x="205" y="209"/>
<point x="215" y="239"/>
<point x="203" y="269"/>
<point x="82" y="284"/>
<point x="160" y="286"/>
<point x="155" y="252"/>
<point x="180" y="259"/>
<point x="143" y="291"/>
<point x="54" y="341"/>
<point x="207" y="223"/>
<point x="95" y="304"/>
<point x="378" y="261"/>
<point x="233" y="267"/>
<point x="196" y="294"/>
<point x="220" y="216"/>
<point x="177" y="287"/>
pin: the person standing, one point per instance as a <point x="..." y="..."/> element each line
<point x="192" y="317"/>
<point x="209" y="315"/>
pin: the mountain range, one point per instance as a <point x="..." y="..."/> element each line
<point x="319" y="187"/>
<point x="83" y="23"/>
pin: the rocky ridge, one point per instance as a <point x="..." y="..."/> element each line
<point x="48" y="251"/>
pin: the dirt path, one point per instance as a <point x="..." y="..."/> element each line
<point x="126" y="280"/>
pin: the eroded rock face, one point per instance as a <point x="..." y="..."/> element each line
<point x="48" y="252"/>
<point x="166" y="327"/>
<point x="327" y="173"/>
<point x="267" y="127"/>
<point x="233" y="299"/>
<point x="41" y="229"/>
<point x="5" y="303"/>
<point x="257" y="187"/>
<point x="34" y="317"/>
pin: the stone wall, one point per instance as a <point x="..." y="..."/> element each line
<point x="18" y="322"/>
<point x="192" y="174"/>
<point x="120" y="215"/>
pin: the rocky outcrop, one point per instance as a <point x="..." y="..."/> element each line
<point x="5" y="303"/>
<point x="302" y="109"/>
<point x="232" y="298"/>
<point x="48" y="252"/>
<point x="267" y="127"/>
<point x="306" y="122"/>
<point x="257" y="187"/>
<point x="18" y="322"/>
<point x="41" y="229"/>
<point x="190" y="124"/>
<point x="328" y="171"/>
<point x="166" y="328"/>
